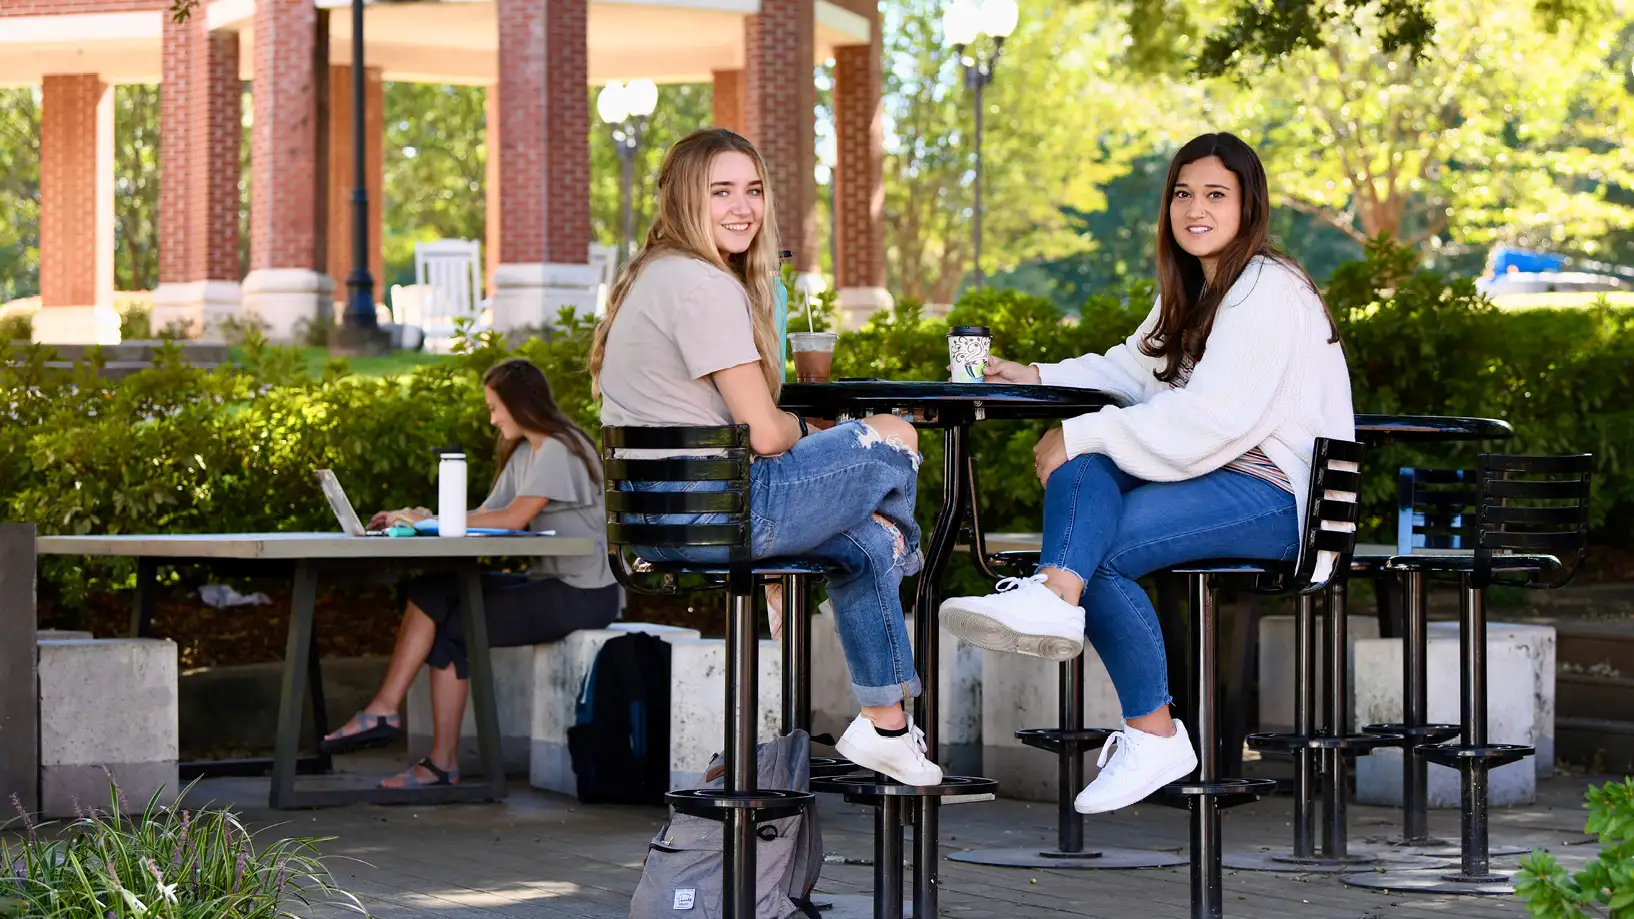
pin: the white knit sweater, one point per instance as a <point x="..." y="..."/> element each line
<point x="1269" y="378"/>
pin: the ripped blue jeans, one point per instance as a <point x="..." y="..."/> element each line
<point x="844" y="496"/>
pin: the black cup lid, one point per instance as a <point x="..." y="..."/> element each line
<point x="970" y="330"/>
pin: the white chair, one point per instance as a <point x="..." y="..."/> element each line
<point x="604" y="259"/>
<point x="449" y="275"/>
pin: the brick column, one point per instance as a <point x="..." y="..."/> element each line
<point x="544" y="175"/>
<point x="283" y="289"/>
<point x="729" y="100"/>
<point x="200" y="132"/>
<point x="339" y="237"/>
<point x="76" y="212"/>
<point x="779" y="117"/>
<point x="859" y="194"/>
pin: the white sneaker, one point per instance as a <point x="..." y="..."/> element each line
<point x="901" y="757"/>
<point x="1134" y="764"/>
<point x="1023" y="616"/>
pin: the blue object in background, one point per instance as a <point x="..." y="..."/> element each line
<point x="780" y="311"/>
<point x="1507" y="258"/>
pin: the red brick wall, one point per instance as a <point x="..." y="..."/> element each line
<point x="71" y="180"/>
<point x="520" y="128"/>
<point x="859" y="199"/>
<point x="283" y="205"/>
<point x="217" y="102"/>
<point x="780" y="119"/>
<point x="567" y="163"/>
<point x="175" y="140"/>
<point x="49" y="7"/>
<point x="340" y="172"/>
<point x="729" y="101"/>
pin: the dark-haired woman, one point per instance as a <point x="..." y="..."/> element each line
<point x="549" y="480"/>
<point x="1229" y="380"/>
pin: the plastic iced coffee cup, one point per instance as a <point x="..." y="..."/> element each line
<point x="967" y="350"/>
<point x="813" y="355"/>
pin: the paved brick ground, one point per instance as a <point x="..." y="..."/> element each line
<point x="542" y="856"/>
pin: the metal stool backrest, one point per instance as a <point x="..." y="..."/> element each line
<point x="1331" y="512"/>
<point x="727" y="461"/>
<point x="1533" y="505"/>
<point x="1435" y="509"/>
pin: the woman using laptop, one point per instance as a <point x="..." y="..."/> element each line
<point x="549" y="479"/>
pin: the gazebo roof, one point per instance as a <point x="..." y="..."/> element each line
<point x="435" y="41"/>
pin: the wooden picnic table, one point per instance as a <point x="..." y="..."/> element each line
<point x="302" y="556"/>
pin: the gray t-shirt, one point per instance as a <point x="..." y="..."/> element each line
<point x="682" y="320"/>
<point x="576" y="508"/>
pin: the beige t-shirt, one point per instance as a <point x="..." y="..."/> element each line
<point x="576" y="508"/>
<point x="682" y="320"/>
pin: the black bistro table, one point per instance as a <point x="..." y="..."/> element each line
<point x="952" y="407"/>
<point x="1379" y="430"/>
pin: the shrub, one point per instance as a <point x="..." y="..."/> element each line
<point x="16" y="328"/>
<point x="190" y="865"/>
<point x="1605" y="887"/>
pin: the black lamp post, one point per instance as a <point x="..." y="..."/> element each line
<point x="963" y="23"/>
<point x="360" y="332"/>
<point x="625" y="108"/>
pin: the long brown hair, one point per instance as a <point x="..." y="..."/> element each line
<point x="1189" y="305"/>
<point x="525" y="392"/>
<point x="681" y="226"/>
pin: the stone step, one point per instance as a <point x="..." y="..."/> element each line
<point x="1606" y="648"/>
<point x="1599" y="744"/>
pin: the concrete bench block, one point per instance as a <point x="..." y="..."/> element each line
<point x="108" y="703"/>
<point x="62" y="635"/>
<point x="1517" y="656"/>
<point x="959" y="675"/>
<point x="558" y="674"/>
<point x="1020" y="692"/>
<point x="697" y="704"/>
<point x="1277" y="687"/>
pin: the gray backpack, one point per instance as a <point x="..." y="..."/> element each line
<point x="683" y="876"/>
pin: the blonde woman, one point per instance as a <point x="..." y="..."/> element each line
<point x="690" y="339"/>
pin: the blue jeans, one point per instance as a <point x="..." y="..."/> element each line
<point x="1109" y="528"/>
<point x="843" y="496"/>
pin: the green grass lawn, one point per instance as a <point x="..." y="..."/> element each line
<point x="394" y="364"/>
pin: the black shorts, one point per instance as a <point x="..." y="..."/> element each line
<point x="520" y="611"/>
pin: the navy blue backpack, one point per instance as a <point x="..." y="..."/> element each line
<point x="619" y="741"/>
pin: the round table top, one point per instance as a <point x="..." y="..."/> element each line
<point x="1383" y="429"/>
<point x="942" y="403"/>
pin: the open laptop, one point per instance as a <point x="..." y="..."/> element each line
<point x="342" y="506"/>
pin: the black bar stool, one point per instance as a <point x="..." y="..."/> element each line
<point x="724" y="460"/>
<point x="1532" y="519"/>
<point x="1434" y="513"/>
<point x="1329" y="529"/>
<point x="1069" y="741"/>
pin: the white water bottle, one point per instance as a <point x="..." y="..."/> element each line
<point x="451" y="495"/>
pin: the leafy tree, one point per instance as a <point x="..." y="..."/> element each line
<point x="19" y="193"/>
<point x="136" y="187"/>
<point x="1059" y="125"/>
<point x="1502" y="128"/>
<point x="435" y="159"/>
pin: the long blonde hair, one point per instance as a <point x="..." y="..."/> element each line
<point x="682" y="226"/>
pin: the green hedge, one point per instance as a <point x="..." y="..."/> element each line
<point x="183" y="450"/>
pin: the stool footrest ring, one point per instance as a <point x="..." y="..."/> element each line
<point x="1491" y="755"/>
<point x="714" y="803"/>
<point x="871" y="789"/>
<point x="825" y="766"/>
<point x="1057" y="740"/>
<point x="1413" y="735"/>
<point x="1288" y="743"/>
<point x="1227" y="792"/>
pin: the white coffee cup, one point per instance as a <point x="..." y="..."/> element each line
<point x="967" y="350"/>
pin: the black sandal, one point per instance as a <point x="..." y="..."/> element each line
<point x="380" y="734"/>
<point x="438" y="776"/>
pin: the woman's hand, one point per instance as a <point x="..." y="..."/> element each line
<point x="999" y="370"/>
<point x="1050" y="454"/>
<point x="407" y="515"/>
